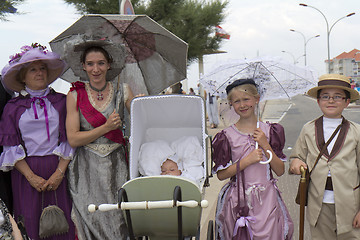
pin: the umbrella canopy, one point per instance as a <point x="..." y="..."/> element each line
<point x="275" y="77"/>
<point x="155" y="58"/>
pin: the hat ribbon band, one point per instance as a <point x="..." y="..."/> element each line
<point x="42" y="105"/>
<point x="334" y="82"/>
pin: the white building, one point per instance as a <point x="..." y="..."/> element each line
<point x="348" y="64"/>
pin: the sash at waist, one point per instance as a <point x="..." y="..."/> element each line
<point x="102" y="149"/>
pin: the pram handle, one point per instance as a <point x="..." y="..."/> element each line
<point x="148" y="205"/>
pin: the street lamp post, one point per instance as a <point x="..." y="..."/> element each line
<point x="305" y="41"/>
<point x="292" y="55"/>
<point x="328" y="30"/>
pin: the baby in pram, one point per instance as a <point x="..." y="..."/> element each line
<point x="183" y="157"/>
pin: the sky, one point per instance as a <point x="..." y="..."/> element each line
<point x="257" y="28"/>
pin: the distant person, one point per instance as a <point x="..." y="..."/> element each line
<point x="250" y="205"/>
<point x="191" y="91"/>
<point x="333" y="209"/>
<point x="212" y="110"/>
<point x="177" y="88"/>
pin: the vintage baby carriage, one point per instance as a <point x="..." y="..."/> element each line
<point x="163" y="207"/>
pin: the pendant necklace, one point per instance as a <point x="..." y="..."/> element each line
<point x="99" y="96"/>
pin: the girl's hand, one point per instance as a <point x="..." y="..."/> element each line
<point x="54" y="181"/>
<point x="356" y="222"/>
<point x="37" y="182"/>
<point x="114" y="121"/>
<point x="295" y="165"/>
<point x="255" y="156"/>
<point x="260" y="137"/>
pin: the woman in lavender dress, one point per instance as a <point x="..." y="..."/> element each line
<point x="32" y="131"/>
<point x="249" y="205"/>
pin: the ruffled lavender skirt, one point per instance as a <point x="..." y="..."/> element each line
<point x="27" y="201"/>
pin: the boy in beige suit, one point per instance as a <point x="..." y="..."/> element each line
<point x="334" y="192"/>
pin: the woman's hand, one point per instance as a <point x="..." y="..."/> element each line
<point x="295" y="165"/>
<point x="37" y="182"/>
<point x="54" y="181"/>
<point x="56" y="178"/>
<point x="114" y="121"/>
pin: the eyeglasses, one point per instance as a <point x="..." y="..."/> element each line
<point x="334" y="98"/>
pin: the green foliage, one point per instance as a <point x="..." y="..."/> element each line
<point x="95" y="6"/>
<point x="193" y="21"/>
<point x="8" y="7"/>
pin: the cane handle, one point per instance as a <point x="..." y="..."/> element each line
<point x="302" y="171"/>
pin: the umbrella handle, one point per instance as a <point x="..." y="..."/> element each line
<point x="268" y="151"/>
<point x="270" y="158"/>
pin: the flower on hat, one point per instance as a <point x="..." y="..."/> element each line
<point x="31" y="53"/>
<point x="15" y="58"/>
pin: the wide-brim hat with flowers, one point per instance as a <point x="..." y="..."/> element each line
<point x="74" y="49"/>
<point x="334" y="81"/>
<point x="29" y="54"/>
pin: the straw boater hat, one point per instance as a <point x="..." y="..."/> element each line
<point x="30" y="54"/>
<point x="334" y="81"/>
<point x="75" y="47"/>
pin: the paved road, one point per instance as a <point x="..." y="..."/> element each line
<point x="292" y="115"/>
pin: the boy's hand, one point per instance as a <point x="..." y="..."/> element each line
<point x="295" y="166"/>
<point x="356" y="222"/>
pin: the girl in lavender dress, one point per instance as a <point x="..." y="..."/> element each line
<point x="250" y="207"/>
<point x="32" y="131"/>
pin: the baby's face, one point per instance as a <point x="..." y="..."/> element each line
<point x="170" y="167"/>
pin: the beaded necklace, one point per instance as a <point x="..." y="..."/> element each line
<point x="100" y="96"/>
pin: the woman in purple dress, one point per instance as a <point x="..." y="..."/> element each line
<point x="249" y="205"/>
<point x="32" y="131"/>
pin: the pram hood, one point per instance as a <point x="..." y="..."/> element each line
<point x="168" y="118"/>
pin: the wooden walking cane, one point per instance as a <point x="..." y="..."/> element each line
<point x="302" y="202"/>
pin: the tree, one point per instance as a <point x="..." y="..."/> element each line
<point x="8" y="7"/>
<point x="193" y="21"/>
